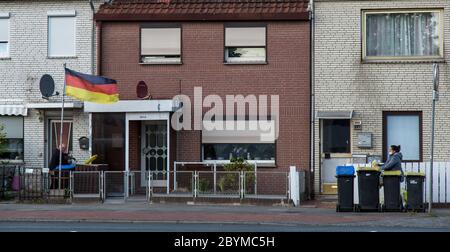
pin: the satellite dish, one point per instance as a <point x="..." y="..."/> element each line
<point x="142" y="90"/>
<point x="47" y="86"/>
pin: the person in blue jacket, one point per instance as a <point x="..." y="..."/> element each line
<point x="394" y="161"/>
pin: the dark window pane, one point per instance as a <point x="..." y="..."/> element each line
<point x="108" y="140"/>
<point x="12" y="149"/>
<point x="224" y="151"/>
<point x="244" y="54"/>
<point x="336" y="136"/>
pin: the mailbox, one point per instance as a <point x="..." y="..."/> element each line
<point x="84" y="143"/>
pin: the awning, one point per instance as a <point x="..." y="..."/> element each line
<point x="130" y="106"/>
<point x="13" y="110"/>
<point x="55" y="105"/>
<point x="345" y="114"/>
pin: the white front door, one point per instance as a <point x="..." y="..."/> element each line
<point x="335" y="150"/>
<point x="154" y="152"/>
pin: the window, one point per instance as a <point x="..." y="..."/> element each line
<point x="402" y="35"/>
<point x="249" y="151"/>
<point x="108" y="139"/>
<point x="336" y="136"/>
<point x="250" y="143"/>
<point x="245" y="44"/>
<point x="12" y="147"/>
<point x="4" y="35"/>
<point x="404" y="129"/>
<point x="161" y="44"/>
<point x="61" y="35"/>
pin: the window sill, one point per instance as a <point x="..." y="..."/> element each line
<point x="161" y="63"/>
<point x="260" y="163"/>
<point x="11" y="162"/>
<point x="62" y="57"/>
<point x="246" y="63"/>
<point x="402" y="61"/>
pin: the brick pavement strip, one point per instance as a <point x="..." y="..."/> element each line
<point x="185" y="213"/>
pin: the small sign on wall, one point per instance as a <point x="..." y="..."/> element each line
<point x="365" y="140"/>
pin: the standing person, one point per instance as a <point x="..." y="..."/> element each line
<point x="394" y="161"/>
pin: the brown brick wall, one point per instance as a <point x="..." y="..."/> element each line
<point x="135" y="146"/>
<point x="286" y="74"/>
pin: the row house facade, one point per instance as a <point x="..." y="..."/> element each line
<point x="37" y="37"/>
<point x="223" y="47"/>
<point x="373" y="82"/>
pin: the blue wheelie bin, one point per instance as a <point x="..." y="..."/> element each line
<point x="345" y="176"/>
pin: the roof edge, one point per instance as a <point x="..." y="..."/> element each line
<point x="302" y="16"/>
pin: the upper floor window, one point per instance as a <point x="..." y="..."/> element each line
<point x="161" y="44"/>
<point x="61" y="34"/>
<point x="402" y="35"/>
<point x="4" y="35"/>
<point x="245" y="44"/>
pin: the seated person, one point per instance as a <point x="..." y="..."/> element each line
<point x="54" y="162"/>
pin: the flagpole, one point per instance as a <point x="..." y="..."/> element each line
<point x="61" y="129"/>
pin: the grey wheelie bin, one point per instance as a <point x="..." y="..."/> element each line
<point x="368" y="189"/>
<point x="392" y="193"/>
<point x="414" y="192"/>
<point x="345" y="176"/>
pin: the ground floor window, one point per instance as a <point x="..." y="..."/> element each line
<point x="247" y="139"/>
<point x="336" y="136"/>
<point x="108" y="139"/>
<point x="11" y="148"/>
<point x="248" y="151"/>
<point x="404" y="129"/>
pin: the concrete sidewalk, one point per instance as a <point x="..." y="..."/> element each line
<point x="242" y="214"/>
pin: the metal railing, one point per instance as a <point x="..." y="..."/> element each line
<point x="86" y="184"/>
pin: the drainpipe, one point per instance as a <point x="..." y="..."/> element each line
<point x="312" y="90"/>
<point x="91" y="3"/>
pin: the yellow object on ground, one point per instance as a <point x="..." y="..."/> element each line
<point x="391" y="173"/>
<point x="415" y="174"/>
<point x="91" y="159"/>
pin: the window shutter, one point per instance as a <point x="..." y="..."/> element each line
<point x="4" y="29"/>
<point x="161" y="41"/>
<point x="61" y="38"/>
<point x="245" y="36"/>
<point x="247" y="134"/>
<point x="13" y="126"/>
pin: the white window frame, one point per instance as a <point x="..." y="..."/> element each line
<point x="366" y="58"/>
<point x="8" y="42"/>
<point x="238" y="60"/>
<point x="56" y="14"/>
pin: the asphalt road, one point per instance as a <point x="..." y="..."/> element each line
<point x="16" y="226"/>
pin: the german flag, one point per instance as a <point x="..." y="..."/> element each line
<point x="91" y="88"/>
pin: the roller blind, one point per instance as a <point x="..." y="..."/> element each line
<point x="4" y="29"/>
<point x="249" y="134"/>
<point x="161" y="41"/>
<point x="61" y="37"/>
<point x="13" y="126"/>
<point x="245" y="36"/>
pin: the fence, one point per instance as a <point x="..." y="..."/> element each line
<point x="9" y="184"/>
<point x="39" y="183"/>
<point x="441" y="179"/>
